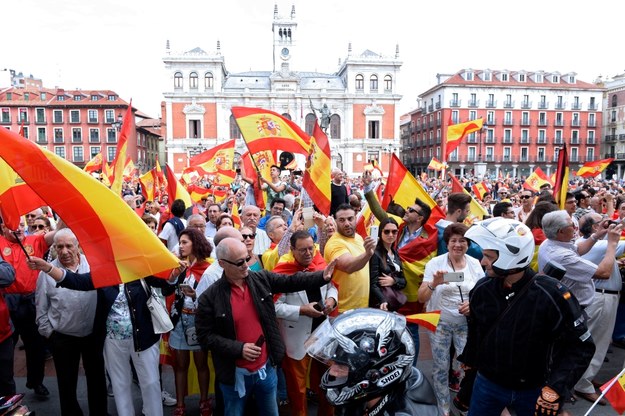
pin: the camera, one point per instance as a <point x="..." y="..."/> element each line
<point x="610" y="222"/>
<point x="238" y="171"/>
<point x="298" y="173"/>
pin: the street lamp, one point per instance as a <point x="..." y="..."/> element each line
<point x="118" y="124"/>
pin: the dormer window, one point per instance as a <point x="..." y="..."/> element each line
<point x="468" y="75"/>
<point x="521" y="77"/>
<point x="571" y="79"/>
<point x="487" y="76"/>
<point x="504" y="77"/>
<point x="555" y="79"/>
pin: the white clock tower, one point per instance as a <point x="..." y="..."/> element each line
<point x="284" y="32"/>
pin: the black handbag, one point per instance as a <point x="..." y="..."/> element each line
<point x="394" y="298"/>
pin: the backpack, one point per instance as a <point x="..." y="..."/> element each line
<point x="178" y="225"/>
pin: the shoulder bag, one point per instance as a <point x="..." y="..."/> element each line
<point x="161" y="322"/>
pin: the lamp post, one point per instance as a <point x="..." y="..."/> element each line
<point x="118" y="124"/>
<point x="480" y="166"/>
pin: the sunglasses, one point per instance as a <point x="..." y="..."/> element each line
<point x="31" y="216"/>
<point x="387" y="232"/>
<point x="414" y="211"/>
<point x="240" y="263"/>
<point x="525" y="196"/>
<point x="249" y="236"/>
<point x="39" y="227"/>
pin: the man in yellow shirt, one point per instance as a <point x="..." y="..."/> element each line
<point x="352" y="254"/>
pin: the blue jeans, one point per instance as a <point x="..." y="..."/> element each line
<point x="489" y="399"/>
<point x="619" y="326"/>
<point x="414" y="331"/>
<point x="264" y="392"/>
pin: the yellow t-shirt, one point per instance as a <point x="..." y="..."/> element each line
<point x="353" y="287"/>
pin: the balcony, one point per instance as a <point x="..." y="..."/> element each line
<point x="620" y="156"/>
<point x="491" y="103"/>
<point x="541" y="158"/>
<point x="454" y="103"/>
<point x="576" y="106"/>
<point x="525" y="140"/>
<point x="573" y="159"/>
<point x="592" y="107"/>
<point x="610" y="137"/>
<point x="42" y="140"/>
<point x="592" y="124"/>
<point x="507" y="158"/>
<point x="525" y="122"/>
<point x="40" y="121"/>
<point x="560" y="106"/>
<point x="575" y="140"/>
<point x="507" y="140"/>
<point x="438" y="123"/>
<point x="438" y="140"/>
<point x="609" y="155"/>
<point x="558" y="123"/>
<point x="438" y="105"/>
<point x="472" y="140"/>
<point x="541" y="140"/>
<point x="490" y="121"/>
<point x="543" y="105"/>
<point x="430" y="108"/>
<point x="525" y="105"/>
<point x="542" y="123"/>
<point x="489" y="158"/>
<point x="473" y="103"/>
<point x="575" y="123"/>
<point x="453" y="158"/>
<point x="558" y="140"/>
<point x="471" y="158"/>
<point x="590" y="141"/>
<point x="508" y="104"/>
<point x="5" y="120"/>
<point x="508" y="121"/>
<point x="489" y="140"/>
<point x="524" y="159"/>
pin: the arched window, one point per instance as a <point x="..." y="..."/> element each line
<point x="335" y="126"/>
<point x="310" y="123"/>
<point x="388" y="83"/>
<point x="178" y="80"/>
<point x="373" y="83"/>
<point x="614" y="101"/>
<point x="208" y="81"/>
<point x="287" y="116"/>
<point x="360" y="82"/>
<point x="235" y="133"/>
<point x="193" y="80"/>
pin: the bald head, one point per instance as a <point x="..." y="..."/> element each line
<point x="230" y="247"/>
<point x="226" y="232"/>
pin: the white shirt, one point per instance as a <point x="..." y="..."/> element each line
<point x="169" y="234"/>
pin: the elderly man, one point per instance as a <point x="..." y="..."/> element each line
<point x="250" y="215"/>
<point x="236" y="320"/>
<point x="339" y="191"/>
<point x="559" y="229"/>
<point x="602" y="310"/>
<point x="299" y="313"/>
<point x="20" y="298"/>
<point x="65" y="317"/>
<point x="352" y="255"/>
<point x="527" y="205"/>
<point x="30" y="221"/>
<point x="276" y="229"/>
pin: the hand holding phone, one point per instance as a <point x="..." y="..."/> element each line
<point x="260" y="341"/>
<point x="319" y="306"/>
<point x="453" y="277"/>
<point x="373" y="231"/>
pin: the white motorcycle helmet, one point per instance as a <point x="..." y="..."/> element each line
<point x="512" y="239"/>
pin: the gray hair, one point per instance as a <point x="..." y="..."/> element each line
<point x="289" y="200"/>
<point x="248" y="208"/>
<point x="196" y="217"/>
<point x="553" y="222"/>
<point x="65" y="232"/>
<point x="270" y="224"/>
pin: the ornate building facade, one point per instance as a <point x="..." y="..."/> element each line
<point x="362" y="97"/>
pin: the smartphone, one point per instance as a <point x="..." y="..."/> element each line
<point x="185" y="286"/>
<point x="260" y="341"/>
<point x="453" y="277"/>
<point x="319" y="306"/>
<point x="373" y="231"/>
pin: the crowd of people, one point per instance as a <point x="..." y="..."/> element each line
<point x="290" y="311"/>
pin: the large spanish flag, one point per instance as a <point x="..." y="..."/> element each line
<point x="561" y="181"/>
<point x="457" y="132"/>
<point x="402" y="188"/>
<point x="537" y="179"/>
<point x="265" y="130"/>
<point x="317" y="181"/>
<point x="119" y="164"/>
<point x="175" y="190"/>
<point x="592" y="169"/>
<point x="119" y="246"/>
<point x="95" y="164"/>
<point x="219" y="158"/>
<point x="435" y="164"/>
<point x="16" y="197"/>
<point x="477" y="211"/>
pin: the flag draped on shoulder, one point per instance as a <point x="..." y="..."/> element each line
<point x="119" y="164"/>
<point x="402" y="188"/>
<point x="537" y="179"/>
<point x="457" y="132"/>
<point x="561" y="181"/>
<point x="263" y="129"/>
<point x="317" y="181"/>
<point x="592" y="169"/>
<point x="175" y="190"/>
<point x="119" y="246"/>
<point x="219" y="158"/>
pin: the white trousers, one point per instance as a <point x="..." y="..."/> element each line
<point x="117" y="356"/>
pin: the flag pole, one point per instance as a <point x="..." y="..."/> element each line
<point x="612" y="383"/>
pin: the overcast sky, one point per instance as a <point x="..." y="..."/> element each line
<point x="119" y="44"/>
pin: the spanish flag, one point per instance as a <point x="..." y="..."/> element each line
<point x="457" y="132"/>
<point x="477" y="211"/>
<point x="175" y="190"/>
<point x="16" y="197"/>
<point x="561" y="182"/>
<point x="119" y="246"/>
<point x="265" y="130"/>
<point x="592" y="169"/>
<point x="199" y="192"/>
<point x="316" y="179"/>
<point x="615" y="392"/>
<point x="537" y="179"/>
<point x="95" y="164"/>
<point x="236" y="218"/>
<point x="148" y="185"/>
<point x="119" y="164"/>
<point x="428" y="320"/>
<point x="435" y="164"/>
<point x="260" y="165"/>
<point x="129" y="168"/>
<point x="402" y="188"/>
<point x="219" y="158"/>
<point x="480" y="189"/>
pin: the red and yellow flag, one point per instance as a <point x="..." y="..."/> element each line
<point x="95" y="164"/>
<point x="616" y="394"/>
<point x="457" y="132"/>
<point x="480" y="189"/>
<point x="265" y="130"/>
<point x="175" y="190"/>
<point x="263" y="161"/>
<point x="236" y="218"/>
<point x="129" y="167"/>
<point x="148" y="185"/>
<point x="402" y="188"/>
<point x="219" y="158"/>
<point x="119" y="246"/>
<point x="592" y="169"/>
<point x="316" y="180"/>
<point x="435" y="164"/>
<point x="428" y="320"/>
<point x="561" y="182"/>
<point x="477" y="211"/>
<point x="16" y="197"/>
<point x="373" y="166"/>
<point x="537" y="179"/>
<point x="119" y="164"/>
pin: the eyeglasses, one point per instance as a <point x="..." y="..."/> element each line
<point x="249" y="236"/>
<point x="39" y="226"/>
<point x="414" y="211"/>
<point x="387" y="232"/>
<point x="31" y="216"/>
<point x="305" y="250"/>
<point x="240" y="263"/>
<point x="525" y="196"/>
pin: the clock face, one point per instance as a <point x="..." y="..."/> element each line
<point x="285" y="52"/>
